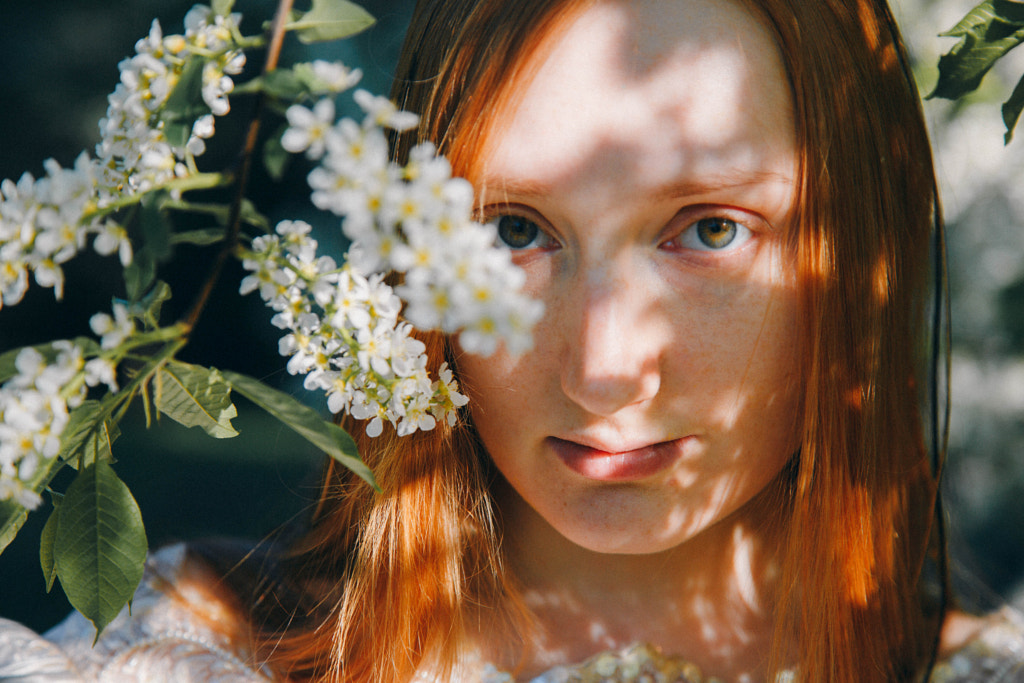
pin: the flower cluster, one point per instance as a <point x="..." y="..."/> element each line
<point x="414" y="219"/>
<point x="345" y="336"/>
<point x="34" y="407"/>
<point x="45" y="222"/>
<point x="344" y="327"/>
<point x="135" y="154"/>
<point x="43" y="225"/>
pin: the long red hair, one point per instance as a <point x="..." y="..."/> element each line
<point x="387" y="584"/>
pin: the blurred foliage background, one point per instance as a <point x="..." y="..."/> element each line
<point x="57" y="64"/>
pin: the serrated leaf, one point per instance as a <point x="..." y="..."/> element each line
<point x="328" y="437"/>
<point x="275" y="157"/>
<point x="46" y="543"/>
<point x="100" y="544"/>
<point x="986" y="33"/>
<point x="83" y="422"/>
<point x="12" y="517"/>
<point x="331" y="20"/>
<point x="196" y="397"/>
<point x="185" y="104"/>
<point x="97" y="447"/>
<point x="88" y="436"/>
<point x="199" y="238"/>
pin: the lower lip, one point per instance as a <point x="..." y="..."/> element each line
<point x="617" y="467"/>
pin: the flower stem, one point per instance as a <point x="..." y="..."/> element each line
<point x="277" y="31"/>
<point x="197" y="181"/>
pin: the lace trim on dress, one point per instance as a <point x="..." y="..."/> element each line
<point x="172" y="634"/>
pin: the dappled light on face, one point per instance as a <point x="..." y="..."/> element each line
<point x="720" y="623"/>
<point x="701" y="129"/>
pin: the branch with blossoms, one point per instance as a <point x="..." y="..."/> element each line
<point x="345" y="330"/>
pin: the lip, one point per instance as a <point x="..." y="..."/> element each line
<point x="623" y="466"/>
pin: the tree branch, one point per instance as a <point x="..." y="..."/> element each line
<point x="277" y="31"/>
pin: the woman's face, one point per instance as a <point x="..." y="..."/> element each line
<point x="645" y="181"/>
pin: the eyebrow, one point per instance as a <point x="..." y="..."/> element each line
<point x="525" y="187"/>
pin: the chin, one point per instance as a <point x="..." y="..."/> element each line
<point x="628" y="534"/>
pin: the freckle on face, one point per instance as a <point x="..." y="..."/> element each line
<point x="643" y="117"/>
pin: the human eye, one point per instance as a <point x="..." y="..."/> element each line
<point x="713" y="234"/>
<point x="519" y="233"/>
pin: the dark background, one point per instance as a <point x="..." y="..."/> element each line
<point x="58" y="62"/>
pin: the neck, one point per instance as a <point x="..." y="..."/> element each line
<point x="708" y="600"/>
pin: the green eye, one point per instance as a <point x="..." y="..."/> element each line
<point x="716" y="232"/>
<point x="517" y="232"/>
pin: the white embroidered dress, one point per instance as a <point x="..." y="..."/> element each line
<point x="177" y="633"/>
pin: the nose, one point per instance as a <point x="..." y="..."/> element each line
<point x="612" y="346"/>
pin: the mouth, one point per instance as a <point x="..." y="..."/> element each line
<point x="624" y="466"/>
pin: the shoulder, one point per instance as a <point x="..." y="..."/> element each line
<point x="986" y="649"/>
<point x="182" y="627"/>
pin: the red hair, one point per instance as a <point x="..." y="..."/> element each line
<point x="392" y="581"/>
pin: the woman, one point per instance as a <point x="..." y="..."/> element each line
<point x="714" y="448"/>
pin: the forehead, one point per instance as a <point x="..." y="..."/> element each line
<point x="653" y="88"/>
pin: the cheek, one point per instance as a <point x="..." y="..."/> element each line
<point x="737" y="356"/>
<point x="496" y="386"/>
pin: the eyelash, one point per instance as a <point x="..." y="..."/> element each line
<point x="500" y="216"/>
<point x="688" y="239"/>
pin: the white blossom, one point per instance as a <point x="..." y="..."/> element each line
<point x="334" y="76"/>
<point x="382" y="112"/>
<point x="113" y="330"/>
<point x="307" y="131"/>
<point x="343" y="329"/>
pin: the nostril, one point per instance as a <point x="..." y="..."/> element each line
<point x="606" y="390"/>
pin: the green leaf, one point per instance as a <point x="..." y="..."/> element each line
<point x="275" y="157"/>
<point x="12" y="517"/>
<point x="88" y="435"/>
<point x="7" y="366"/>
<point x="986" y="33"/>
<point x="139" y="274"/>
<point x="196" y="397"/>
<point x="46" y="543"/>
<point x="185" y="103"/>
<point x="251" y="215"/>
<point x="328" y="437"/>
<point x="98" y="445"/>
<point x="156" y="226"/>
<point x="331" y="20"/>
<point x="984" y="13"/>
<point x="148" y="307"/>
<point x="100" y="544"/>
<point x="200" y="238"/>
<point x="222" y="8"/>
<point x="1012" y="109"/>
<point x="283" y="84"/>
<point x="79" y="441"/>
